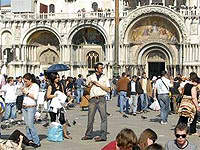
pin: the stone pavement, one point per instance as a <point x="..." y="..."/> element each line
<point x="115" y="123"/>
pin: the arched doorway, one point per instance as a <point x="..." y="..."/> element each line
<point x="47" y="48"/>
<point x="156" y="63"/>
<point x="92" y="59"/>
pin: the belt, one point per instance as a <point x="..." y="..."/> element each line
<point x="98" y="97"/>
<point x="164" y="94"/>
<point x="185" y="96"/>
<point x="30" y="106"/>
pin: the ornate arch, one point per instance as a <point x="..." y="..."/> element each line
<point x="149" y="47"/>
<point x="34" y="29"/>
<point x="176" y="19"/>
<point x="77" y="28"/>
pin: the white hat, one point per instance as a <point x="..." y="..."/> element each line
<point x="154" y="78"/>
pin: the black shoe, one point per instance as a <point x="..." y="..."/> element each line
<point x="143" y="117"/>
<point x="125" y="116"/>
<point x="35" y="145"/>
<point x="74" y="123"/>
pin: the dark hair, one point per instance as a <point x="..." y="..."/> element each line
<point x="181" y="127"/>
<point x="53" y="76"/>
<point x="193" y="77"/>
<point x="9" y="79"/>
<point x="134" y="76"/>
<point x="79" y="75"/>
<point x="163" y="73"/>
<point x="154" y="146"/>
<point x="97" y="65"/>
<point x="123" y="74"/>
<point x="30" y="77"/>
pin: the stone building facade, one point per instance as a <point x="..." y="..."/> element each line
<point x="154" y="35"/>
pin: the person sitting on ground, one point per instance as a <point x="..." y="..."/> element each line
<point x="154" y="146"/>
<point x="181" y="132"/>
<point x="15" y="141"/>
<point x="125" y="140"/>
<point x="147" y="137"/>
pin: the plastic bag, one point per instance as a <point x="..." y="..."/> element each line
<point x="155" y="105"/>
<point x="55" y="132"/>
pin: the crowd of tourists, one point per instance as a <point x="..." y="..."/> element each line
<point x="52" y="94"/>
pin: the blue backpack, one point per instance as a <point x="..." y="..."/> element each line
<point x="55" y="132"/>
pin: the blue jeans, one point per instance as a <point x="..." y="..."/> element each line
<point x="122" y="101"/>
<point x="133" y="103"/>
<point x="31" y="133"/>
<point x="79" y="94"/>
<point x="10" y="111"/>
<point x="164" y="101"/>
<point x="144" y="101"/>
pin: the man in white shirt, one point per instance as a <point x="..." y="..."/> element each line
<point x="100" y="85"/>
<point x="162" y="87"/>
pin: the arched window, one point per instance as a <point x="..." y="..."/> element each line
<point x="51" y="8"/>
<point x="95" y="6"/>
<point x="92" y="58"/>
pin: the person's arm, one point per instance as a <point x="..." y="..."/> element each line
<point x="19" y="147"/>
<point x="49" y="89"/>
<point x="194" y="97"/>
<point x="103" y="87"/>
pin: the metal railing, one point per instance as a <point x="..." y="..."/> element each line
<point x="53" y="16"/>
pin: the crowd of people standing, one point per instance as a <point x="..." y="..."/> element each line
<point x="135" y="95"/>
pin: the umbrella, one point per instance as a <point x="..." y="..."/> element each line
<point x="57" y="67"/>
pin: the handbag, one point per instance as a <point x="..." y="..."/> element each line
<point x="55" y="132"/>
<point x="155" y="105"/>
<point x="187" y="108"/>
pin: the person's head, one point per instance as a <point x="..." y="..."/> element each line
<point x="144" y="75"/>
<point x="19" y="79"/>
<point x="29" y="79"/>
<point x="154" y="146"/>
<point x="54" y="77"/>
<point x="181" y="131"/>
<point x="134" y="78"/>
<point x="193" y="77"/>
<point x="124" y="74"/>
<point x="164" y="73"/>
<point x="99" y="68"/>
<point x="79" y="75"/>
<point x="126" y="139"/>
<point x="147" y="137"/>
<point x="10" y="80"/>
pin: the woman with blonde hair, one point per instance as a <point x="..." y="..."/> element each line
<point x="147" y="137"/>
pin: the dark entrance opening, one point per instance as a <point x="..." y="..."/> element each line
<point x="155" y="68"/>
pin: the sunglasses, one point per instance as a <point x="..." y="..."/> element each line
<point x="180" y="135"/>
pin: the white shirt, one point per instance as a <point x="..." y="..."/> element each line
<point x="160" y="86"/>
<point x="10" y="93"/>
<point x="34" y="90"/>
<point x="97" y="91"/>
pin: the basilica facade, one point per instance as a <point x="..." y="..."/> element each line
<point x="154" y="35"/>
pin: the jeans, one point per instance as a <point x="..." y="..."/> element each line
<point x="31" y="133"/>
<point x="79" y="94"/>
<point x="10" y="111"/>
<point x="122" y="101"/>
<point x="164" y="101"/>
<point x="133" y="103"/>
<point x="94" y="105"/>
<point x="144" y="101"/>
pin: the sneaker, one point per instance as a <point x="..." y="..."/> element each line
<point x="134" y="114"/>
<point x="163" y="123"/>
